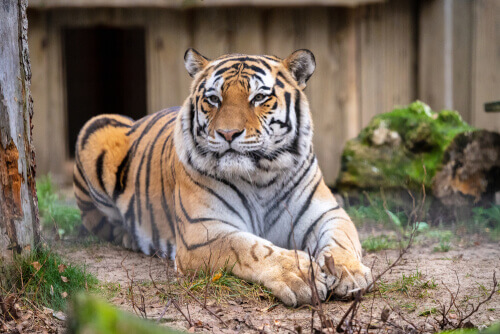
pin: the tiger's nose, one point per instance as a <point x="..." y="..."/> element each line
<point x="229" y="135"/>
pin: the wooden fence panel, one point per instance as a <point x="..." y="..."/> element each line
<point x="246" y="31"/>
<point x="486" y="62"/>
<point x="387" y="57"/>
<point x="166" y="42"/>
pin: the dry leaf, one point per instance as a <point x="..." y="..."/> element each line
<point x="62" y="268"/>
<point x="36" y="265"/>
<point x="64" y="279"/>
<point x="64" y="294"/>
<point x="216" y="277"/>
<point x="51" y="290"/>
<point x="330" y="265"/>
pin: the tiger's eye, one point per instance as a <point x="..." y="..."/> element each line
<point x="258" y="97"/>
<point x="214" y="99"/>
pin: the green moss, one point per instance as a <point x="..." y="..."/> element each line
<point x="400" y="149"/>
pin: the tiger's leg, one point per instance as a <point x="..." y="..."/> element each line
<point x="334" y="236"/>
<point x="94" y="220"/>
<point x="287" y="273"/>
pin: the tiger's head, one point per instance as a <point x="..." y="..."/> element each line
<point x="246" y="115"/>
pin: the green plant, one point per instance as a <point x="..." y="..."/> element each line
<point x="412" y="285"/>
<point x="443" y="247"/>
<point x="375" y="208"/>
<point x="487" y="220"/>
<point x="378" y="243"/>
<point x="53" y="210"/>
<point x="45" y="278"/>
<point x="222" y="284"/>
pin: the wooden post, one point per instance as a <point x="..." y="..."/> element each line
<point x="19" y="225"/>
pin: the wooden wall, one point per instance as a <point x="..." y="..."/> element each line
<point x="369" y="59"/>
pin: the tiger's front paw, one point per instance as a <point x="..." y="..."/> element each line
<point x="345" y="277"/>
<point x="290" y="279"/>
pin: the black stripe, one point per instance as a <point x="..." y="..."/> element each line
<point x="138" y="188"/>
<point x="313" y="225"/>
<point x="304" y="208"/>
<point x="282" y="76"/>
<point x="202" y="219"/>
<point x="219" y="65"/>
<point x="121" y="176"/>
<point x="99" y="169"/>
<point x="212" y="192"/>
<point x="163" y="196"/>
<point x="98" y="124"/>
<point x="276" y="203"/>
<point x="80" y="186"/>
<point x="295" y="145"/>
<point x="256" y="69"/>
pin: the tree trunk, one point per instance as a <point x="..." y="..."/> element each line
<point x="19" y="225"/>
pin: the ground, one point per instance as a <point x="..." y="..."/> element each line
<point x="415" y="288"/>
<point x="447" y="265"/>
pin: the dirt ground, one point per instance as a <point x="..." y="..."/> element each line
<point x="467" y="268"/>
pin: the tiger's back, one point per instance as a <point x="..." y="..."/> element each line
<point x="117" y="181"/>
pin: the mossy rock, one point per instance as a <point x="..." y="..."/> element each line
<point x="93" y="316"/>
<point x="399" y="149"/>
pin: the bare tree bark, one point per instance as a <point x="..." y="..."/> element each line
<point x="19" y="225"/>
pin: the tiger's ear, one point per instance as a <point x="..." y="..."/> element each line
<point x="301" y="65"/>
<point x="194" y="61"/>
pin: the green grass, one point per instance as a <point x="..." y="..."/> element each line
<point x="442" y="247"/>
<point x="53" y="210"/>
<point x="223" y="285"/>
<point x="412" y="285"/>
<point x="45" y="279"/>
<point x="486" y="220"/>
<point x="373" y="209"/>
<point x="378" y="243"/>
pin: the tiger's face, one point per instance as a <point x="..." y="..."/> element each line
<point x="247" y="114"/>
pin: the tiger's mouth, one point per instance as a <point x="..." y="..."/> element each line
<point x="229" y="152"/>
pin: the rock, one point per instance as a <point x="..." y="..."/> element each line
<point x="399" y="149"/>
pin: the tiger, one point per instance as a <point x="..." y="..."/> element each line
<point x="230" y="178"/>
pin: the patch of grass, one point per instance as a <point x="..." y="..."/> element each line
<point x="428" y="312"/>
<point x="53" y="210"/>
<point x="412" y="285"/>
<point x="45" y="278"/>
<point x="443" y="247"/>
<point x="375" y="208"/>
<point x="487" y="220"/>
<point x="409" y="306"/>
<point x="223" y="285"/>
<point x="378" y="243"/>
<point x="108" y="290"/>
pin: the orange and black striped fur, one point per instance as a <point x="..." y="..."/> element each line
<point x="229" y="177"/>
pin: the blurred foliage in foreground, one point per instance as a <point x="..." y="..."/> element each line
<point x="54" y="211"/>
<point x="91" y="316"/>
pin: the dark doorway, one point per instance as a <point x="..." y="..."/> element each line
<point x="105" y="74"/>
